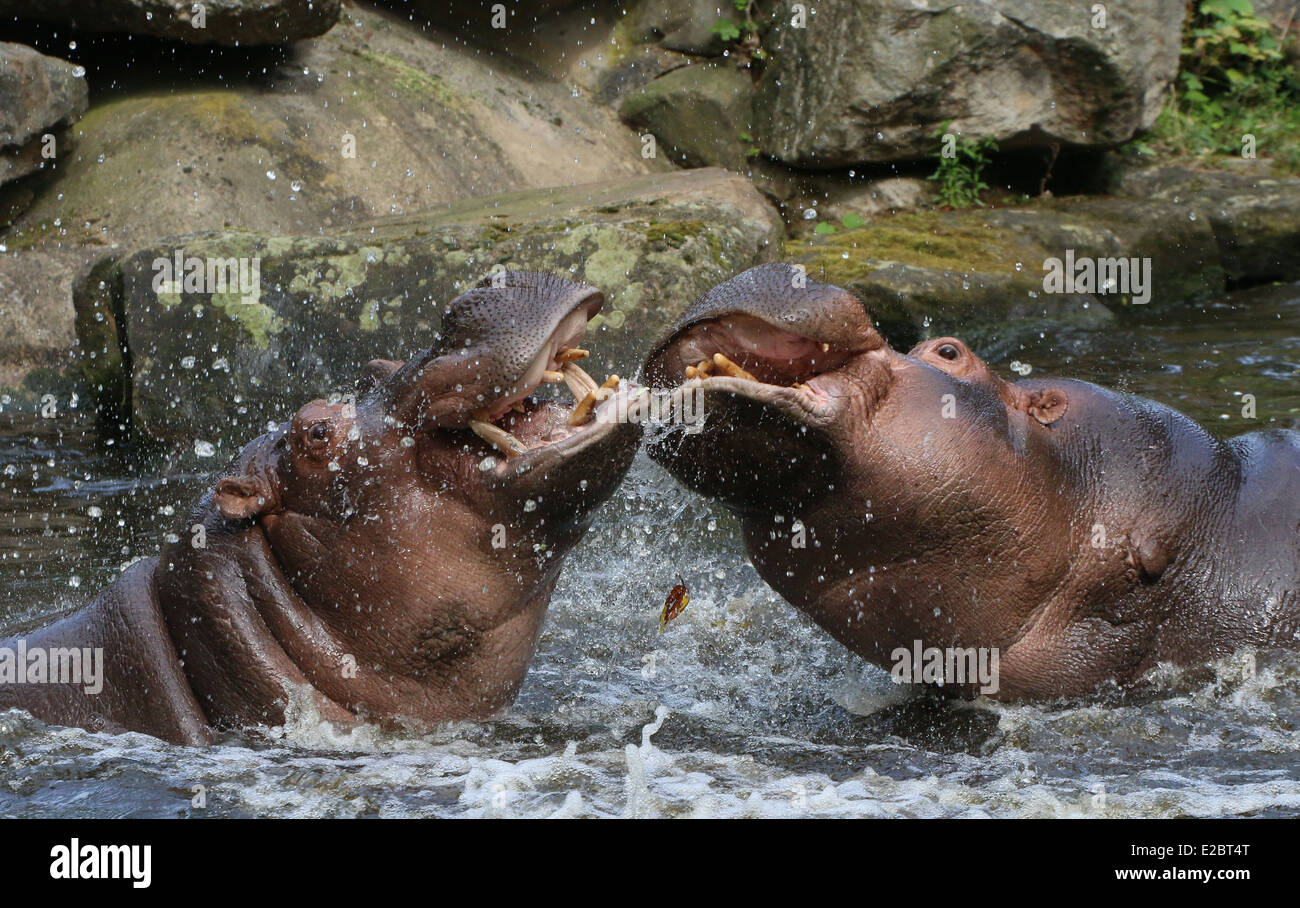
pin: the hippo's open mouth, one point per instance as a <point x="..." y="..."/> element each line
<point x="519" y="422"/>
<point x="746" y="355"/>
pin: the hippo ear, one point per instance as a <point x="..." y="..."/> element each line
<point x="242" y="497"/>
<point x="1047" y="406"/>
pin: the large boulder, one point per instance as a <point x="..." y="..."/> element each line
<point x="1254" y="215"/>
<point x="700" y="115"/>
<point x="433" y="120"/>
<point x="220" y="22"/>
<point x="200" y="365"/>
<point x="38" y="95"/>
<point x="430" y="120"/>
<point x="874" y="80"/>
<point x="36" y="312"/>
<point x="981" y="273"/>
<point x="606" y="50"/>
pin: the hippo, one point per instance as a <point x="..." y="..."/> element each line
<point x="920" y="503"/>
<point x="391" y="554"/>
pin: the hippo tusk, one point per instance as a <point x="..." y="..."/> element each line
<point x="497" y="437"/>
<point x="569" y="354"/>
<point x="552" y="376"/>
<point x="702" y="369"/>
<point x="730" y="368"/>
<point x="580" y="383"/>
<point x="582" y="412"/>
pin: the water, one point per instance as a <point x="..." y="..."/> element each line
<point x="742" y="708"/>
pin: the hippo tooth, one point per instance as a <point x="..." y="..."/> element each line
<point x="727" y="366"/>
<point x="582" y="412"/>
<point x="580" y="383"/>
<point x="692" y="372"/>
<point x="826" y="348"/>
<point x="497" y="437"/>
<point x="569" y="354"/>
<point x="550" y="375"/>
<point x="800" y="386"/>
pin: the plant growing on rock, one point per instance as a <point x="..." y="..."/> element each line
<point x="960" y="168"/>
<point x="743" y="35"/>
<point x="1235" y="81"/>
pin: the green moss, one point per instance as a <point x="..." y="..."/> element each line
<point x="925" y="240"/>
<point x="257" y="320"/>
<point x="410" y="81"/>
<point x="674" y="233"/>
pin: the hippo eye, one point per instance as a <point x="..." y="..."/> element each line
<point x="948" y="351"/>
<point x="319" y="432"/>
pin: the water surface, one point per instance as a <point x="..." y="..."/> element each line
<point x="742" y="708"/>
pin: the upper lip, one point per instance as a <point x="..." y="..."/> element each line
<point x="804" y="383"/>
<point x="556" y="360"/>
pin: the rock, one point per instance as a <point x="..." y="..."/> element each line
<point x="836" y="200"/>
<point x="433" y="120"/>
<point x="209" y="366"/>
<point x="38" y="95"/>
<point x="924" y="274"/>
<point x="870" y="82"/>
<point x="36" y="312"/>
<point x="680" y="25"/>
<point x="227" y="22"/>
<point x="700" y="115"/>
<point x="603" y="50"/>
<point x="1254" y="216"/>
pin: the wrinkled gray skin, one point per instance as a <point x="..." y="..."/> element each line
<point x="1085" y="534"/>
<point x="350" y="553"/>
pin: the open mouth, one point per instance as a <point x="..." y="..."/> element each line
<point x="727" y="352"/>
<point x="519" y="422"/>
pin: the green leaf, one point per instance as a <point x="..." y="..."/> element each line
<point x="725" y="29"/>
<point x="851" y="221"/>
<point x="823" y="229"/>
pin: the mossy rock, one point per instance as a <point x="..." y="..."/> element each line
<point x="1255" y="215"/>
<point x="374" y="118"/>
<point x="933" y="272"/>
<point x="193" y="365"/>
<point x="700" y="115"/>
